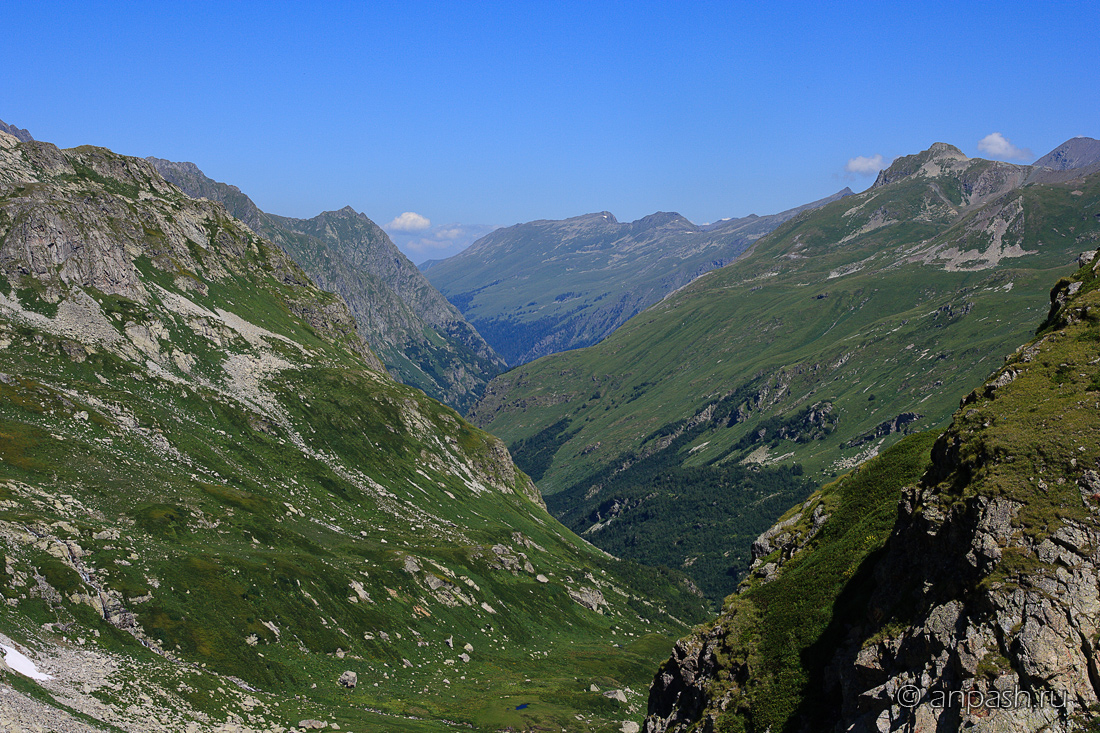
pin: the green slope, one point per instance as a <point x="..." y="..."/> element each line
<point x="214" y="501"/>
<point x="843" y="329"/>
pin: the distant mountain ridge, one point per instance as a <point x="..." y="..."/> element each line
<point x="422" y="338"/>
<point x="551" y="285"/>
<point x="18" y="133"/>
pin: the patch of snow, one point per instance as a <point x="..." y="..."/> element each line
<point x="21" y="664"/>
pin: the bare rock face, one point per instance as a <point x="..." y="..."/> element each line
<point x="590" y="598"/>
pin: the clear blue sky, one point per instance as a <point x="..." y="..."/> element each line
<point x="496" y="113"/>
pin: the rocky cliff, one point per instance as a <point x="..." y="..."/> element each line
<point x="978" y="610"/>
<point x="423" y="339"/>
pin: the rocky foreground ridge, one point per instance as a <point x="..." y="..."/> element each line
<point x="219" y="512"/>
<point x="985" y="586"/>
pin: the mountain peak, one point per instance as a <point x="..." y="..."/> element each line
<point x="663" y="220"/>
<point x="1077" y="152"/>
<point x="931" y="162"/>
<point x="21" y="135"/>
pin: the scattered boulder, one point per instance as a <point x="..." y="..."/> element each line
<point x="349" y="680"/>
<point x="589" y="598"/>
<point x="311" y="725"/>
<point x="629" y="726"/>
<point x="615" y="695"/>
<point x="450" y="642"/>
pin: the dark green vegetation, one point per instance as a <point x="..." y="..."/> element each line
<point x="790" y="628"/>
<point x="656" y="510"/>
<point x="910" y="293"/>
<point x="546" y="286"/>
<point x="210" y="486"/>
<point x="421" y="338"/>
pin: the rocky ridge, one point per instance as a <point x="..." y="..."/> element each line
<point x="423" y="339"/>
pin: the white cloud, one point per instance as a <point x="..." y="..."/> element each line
<point x="410" y="221"/>
<point x="865" y="166"/>
<point x="998" y="146"/>
<point x="439" y="242"/>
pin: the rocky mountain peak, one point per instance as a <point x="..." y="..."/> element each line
<point x="663" y="220"/>
<point x="1077" y="152"/>
<point x="18" y="133"/>
<point x="937" y="159"/>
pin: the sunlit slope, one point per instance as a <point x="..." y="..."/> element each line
<point x="842" y="330"/>
<point x="214" y="501"/>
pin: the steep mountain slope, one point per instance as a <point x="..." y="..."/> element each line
<point x="840" y="331"/>
<point x="219" y="512"/>
<point x="548" y="286"/>
<point x="1077" y="152"/>
<point x="423" y="340"/>
<point x="965" y="600"/>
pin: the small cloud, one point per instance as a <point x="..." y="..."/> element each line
<point x="865" y="166"/>
<point x="439" y="242"/>
<point x="410" y="221"/>
<point x="998" y="146"/>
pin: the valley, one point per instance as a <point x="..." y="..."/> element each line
<point x="843" y="330"/>
<point x="216" y="492"/>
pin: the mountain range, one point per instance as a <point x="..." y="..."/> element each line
<point x="218" y="510"/>
<point x="547" y="286"/>
<point x="422" y="339"/>
<point x="680" y="437"/>
<point x="222" y="510"/>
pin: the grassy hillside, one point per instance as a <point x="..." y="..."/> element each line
<point x="214" y="501"/>
<point x="844" y="329"/>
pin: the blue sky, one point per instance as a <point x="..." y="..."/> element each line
<point x="480" y="114"/>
